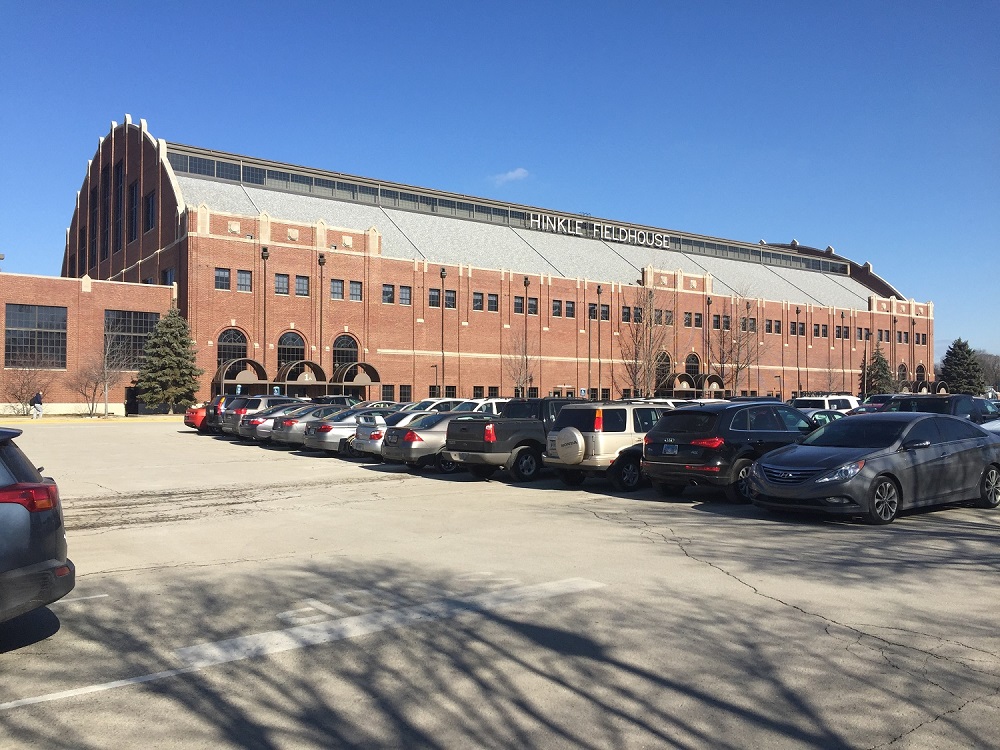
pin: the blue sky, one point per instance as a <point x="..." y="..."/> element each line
<point x="871" y="127"/>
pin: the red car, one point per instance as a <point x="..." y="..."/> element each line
<point x="195" y="417"/>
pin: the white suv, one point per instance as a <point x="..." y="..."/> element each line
<point x="834" y="402"/>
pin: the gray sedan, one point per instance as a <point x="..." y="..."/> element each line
<point x="290" y="430"/>
<point x="371" y="429"/>
<point x="874" y="465"/>
<point x="331" y="435"/>
<point x="421" y="442"/>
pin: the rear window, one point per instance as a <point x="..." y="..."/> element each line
<point x="686" y="420"/>
<point x="394" y="419"/>
<point x="237" y="403"/>
<point x="929" y="405"/>
<point x="15" y="466"/>
<point x="252" y="403"/>
<point x="426" y="421"/>
<point x="810" y="403"/>
<point x="519" y="410"/>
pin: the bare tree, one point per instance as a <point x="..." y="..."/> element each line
<point x="518" y="361"/>
<point x="733" y="340"/>
<point x="32" y="374"/>
<point x="102" y="371"/>
<point x="643" y="341"/>
<point x="990" y="364"/>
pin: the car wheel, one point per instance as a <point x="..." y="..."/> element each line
<point x="666" y="489"/>
<point x="625" y="475"/>
<point x="989" y="487"/>
<point x="883" y="501"/>
<point x="739" y="490"/>
<point x="483" y="472"/>
<point x="571" y="477"/>
<point x="527" y="464"/>
<point x="444" y="466"/>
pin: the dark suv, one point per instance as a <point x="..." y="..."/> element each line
<point x="34" y="569"/>
<point x="716" y="444"/>
<point x="956" y="404"/>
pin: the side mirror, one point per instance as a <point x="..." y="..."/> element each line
<point x="912" y="445"/>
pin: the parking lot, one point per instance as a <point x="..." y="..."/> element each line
<point x="232" y="595"/>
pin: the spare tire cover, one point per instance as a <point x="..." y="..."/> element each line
<point x="570" y="445"/>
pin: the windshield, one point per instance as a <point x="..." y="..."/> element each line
<point x="399" y="416"/>
<point x="857" y="432"/>
<point x="930" y="405"/>
<point x="426" y="421"/>
<point x="466" y="406"/>
<point x="686" y="420"/>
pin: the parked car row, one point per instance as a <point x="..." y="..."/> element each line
<point x="917" y="450"/>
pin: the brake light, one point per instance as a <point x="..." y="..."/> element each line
<point x="712" y="442"/>
<point x="324" y="428"/>
<point x="34" y="497"/>
<point x="257" y="420"/>
<point x="288" y="422"/>
<point x="599" y="420"/>
<point x="412" y="437"/>
<point x="489" y="433"/>
<point x="240" y="412"/>
<point x="375" y="435"/>
<point x="646" y="440"/>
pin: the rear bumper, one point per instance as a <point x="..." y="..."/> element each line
<point x="35" y="586"/>
<point x="476" y="459"/>
<point x="711" y="474"/>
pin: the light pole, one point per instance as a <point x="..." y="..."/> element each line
<point x="524" y="372"/>
<point x="444" y="275"/>
<point x="599" y="390"/>
<point x="264" y="255"/>
<point x="707" y="342"/>
<point x="798" y="371"/>
<point x="843" y="338"/>
<point x="322" y="262"/>
<point x="435" y="368"/>
<point x="778" y="378"/>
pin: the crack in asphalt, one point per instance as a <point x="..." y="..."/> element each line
<point x="648" y="531"/>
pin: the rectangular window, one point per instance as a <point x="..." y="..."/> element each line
<point x="336" y="289"/>
<point x="477" y="301"/>
<point x="570" y="309"/>
<point x="519" y="305"/>
<point x="824" y="331"/>
<point x="301" y="286"/>
<point x="899" y="337"/>
<point x="388" y="392"/>
<point x="132" y="226"/>
<point x="388" y="294"/>
<point x="777" y="327"/>
<point x="687" y="320"/>
<point x="792" y="331"/>
<point x="923" y="339"/>
<point x="880" y="335"/>
<point x="433" y="391"/>
<point x="119" y="188"/>
<point x="281" y="283"/>
<point x="726" y="323"/>
<point x="533" y="391"/>
<point x="493" y="391"/>
<point x="532" y="305"/>
<point x="802" y="329"/>
<point x="906" y="337"/>
<point x="753" y="325"/>
<point x="557" y="308"/>
<point x="626" y="314"/>
<point x="125" y="333"/>
<point x="836" y="332"/>
<point x="657" y="317"/>
<point x="35" y="337"/>
<point x="815" y="330"/>
<point x="451" y="391"/>
<point x="450" y="299"/>
<point x="244" y="281"/>
<point x="605" y="312"/>
<point x="168" y="276"/>
<point x="668" y="317"/>
<point x="94" y="214"/>
<point x="406" y="393"/>
<point x="356" y="291"/>
<point x="592" y="311"/>
<point x="405" y="295"/>
<point x="697" y="320"/>
<point x="492" y="303"/>
<point x="478" y="391"/>
<point x="222" y="280"/>
<point x="149" y="211"/>
<point x="434" y="298"/>
<point x="767" y="326"/>
<point x="105" y="211"/>
<point x="716" y="322"/>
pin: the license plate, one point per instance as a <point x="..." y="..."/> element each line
<point x="391" y="439"/>
<point x="669" y="450"/>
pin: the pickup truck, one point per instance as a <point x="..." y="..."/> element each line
<point x="515" y="440"/>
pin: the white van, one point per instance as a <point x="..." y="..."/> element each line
<point x="833" y="402"/>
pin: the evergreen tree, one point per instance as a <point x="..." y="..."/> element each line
<point x="876" y="377"/>
<point x="168" y="374"/>
<point x="961" y="370"/>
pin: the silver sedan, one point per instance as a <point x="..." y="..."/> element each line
<point x="289" y="431"/>
<point x="371" y="429"/>
<point x="332" y="434"/>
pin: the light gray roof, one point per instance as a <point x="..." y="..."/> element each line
<point x="442" y="239"/>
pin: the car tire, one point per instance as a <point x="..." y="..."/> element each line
<point x="527" y="464"/>
<point x="883" y="501"/>
<point x="665" y="489"/>
<point x="625" y="475"/>
<point x="570" y="445"/>
<point x="444" y="465"/>
<point x="989" y="487"/>
<point x="738" y="491"/>
<point x="571" y="477"/>
<point x="482" y="472"/>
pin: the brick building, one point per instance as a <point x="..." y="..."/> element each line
<point x="309" y="280"/>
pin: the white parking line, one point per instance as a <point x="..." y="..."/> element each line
<point x="80" y="599"/>
<point x="205" y="655"/>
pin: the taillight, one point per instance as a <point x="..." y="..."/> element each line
<point x="257" y="420"/>
<point x="646" y="440"/>
<point x="712" y="442"/>
<point x="489" y="433"/>
<point x="324" y="428"/>
<point x="288" y="422"/>
<point x="599" y="420"/>
<point x="375" y="435"/>
<point x="34" y="497"/>
<point x="412" y="437"/>
<point x="240" y="412"/>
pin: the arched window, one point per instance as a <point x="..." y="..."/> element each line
<point x="291" y="348"/>
<point x="345" y="350"/>
<point x="662" y="371"/>
<point x="921" y="373"/>
<point x="692" y="365"/>
<point x="232" y="344"/>
<point x="901" y="373"/>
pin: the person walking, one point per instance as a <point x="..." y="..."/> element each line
<point x="36" y="406"/>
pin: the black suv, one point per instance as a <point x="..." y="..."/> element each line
<point x="956" y="404"/>
<point x="716" y="444"/>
